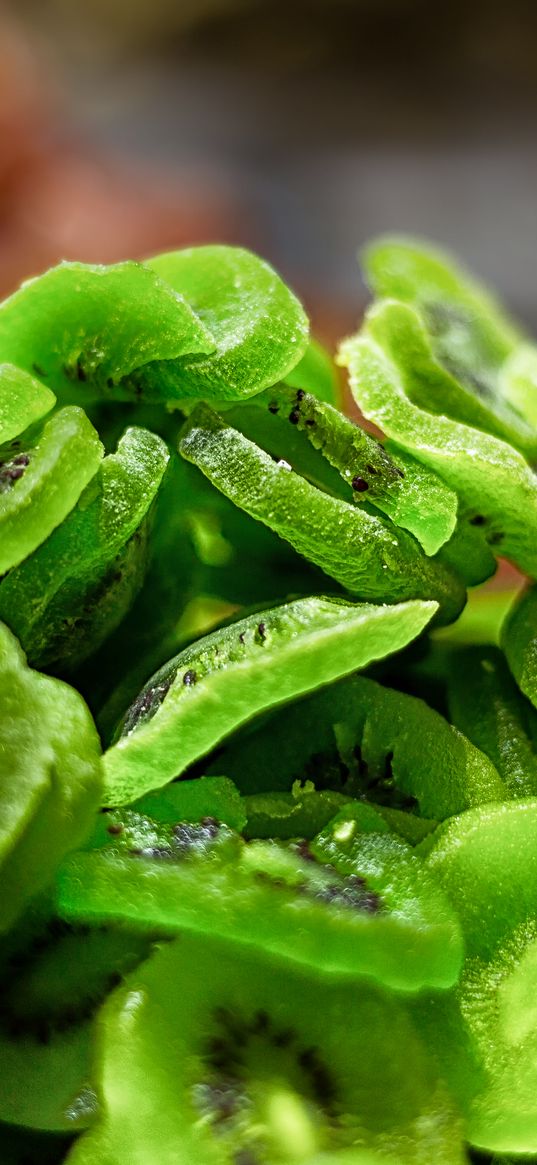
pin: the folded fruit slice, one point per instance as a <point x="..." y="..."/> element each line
<point x="23" y="401"/>
<point x="486" y="862"/>
<point x="369" y="741"/>
<point x="462" y="356"/>
<point x="42" y="474"/>
<point x="410" y="494"/>
<point x="485" y="703"/>
<point x="225" y="678"/>
<point x="85" y="329"/>
<point x="236" y="1062"/>
<point x="496" y="486"/>
<point x="67" y="597"/>
<point x="367" y="554"/>
<point x="374" y="911"/>
<point x="50" y="777"/>
<point x="259" y="328"/>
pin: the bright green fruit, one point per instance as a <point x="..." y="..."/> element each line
<point x="42" y="474"/>
<point x="208" y="1059"/>
<point x="71" y="593"/>
<point x="225" y="678"/>
<point x="363" y="552"/>
<point x="50" y="777"/>
<point x="465" y="358"/>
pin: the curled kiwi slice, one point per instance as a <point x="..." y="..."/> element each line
<point x="485" y="703"/>
<point x="464" y="352"/>
<point x="68" y="596"/>
<point x="410" y="494"/>
<point x="486" y="1031"/>
<point x="495" y="484"/>
<point x="363" y="739"/>
<point x="42" y="474"/>
<point x="205" y="1057"/>
<point x="51" y="988"/>
<point x="23" y="401"/>
<point x="50" y="777"/>
<point x="341" y="913"/>
<point x="362" y="551"/>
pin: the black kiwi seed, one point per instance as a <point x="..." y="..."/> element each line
<point x="146" y="704"/>
<point x="294" y="416"/>
<point x="359" y="484"/>
<point x="189" y="678"/>
<point x="273" y="408"/>
<point x="478" y="520"/>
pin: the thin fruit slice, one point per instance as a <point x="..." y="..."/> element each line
<point x="373" y="911"/>
<point x="224" y="679"/>
<point x="369" y="741"/>
<point x="85" y="329"/>
<point x="486" y="1032"/>
<point x="410" y="494"/>
<point x="67" y="597"/>
<point x="42" y="475"/>
<point x="496" y="486"/>
<point x="50" y="777"/>
<point x="485" y="703"/>
<point x="207" y="1058"/>
<point x="23" y="401"/>
<point x="259" y="328"/>
<point x="462" y="362"/>
<point x="367" y="554"/>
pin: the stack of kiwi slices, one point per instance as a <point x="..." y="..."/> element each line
<point x="268" y="777"/>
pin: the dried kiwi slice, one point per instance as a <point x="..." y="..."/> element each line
<point x="23" y="401"/>
<point x="254" y="664"/>
<point x="67" y="597"/>
<point x="370" y="741"/>
<point x="485" y="703"/>
<point x="205" y="1057"/>
<point x="345" y="914"/>
<point x="461" y="357"/>
<point x="487" y="1031"/>
<point x="51" y="988"/>
<point x="42" y="474"/>
<point x="363" y="552"/>
<point x="50" y="777"/>
<point x="411" y="495"/>
<point x="496" y="486"/>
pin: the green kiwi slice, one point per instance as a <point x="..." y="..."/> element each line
<point x="349" y="913"/>
<point x="223" y="679"/>
<point x="50" y="777"/>
<point x="42" y="474"/>
<point x="486" y="1030"/>
<point x="366" y="740"/>
<point x="67" y="597"/>
<point x="205" y="1057"/>
<point x="51" y="988"/>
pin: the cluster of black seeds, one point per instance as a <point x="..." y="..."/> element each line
<point x="224" y="1094"/>
<point x="186" y="840"/>
<point x="12" y="470"/>
<point x="146" y="704"/>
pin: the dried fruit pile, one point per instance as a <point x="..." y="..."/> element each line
<point x="268" y="828"/>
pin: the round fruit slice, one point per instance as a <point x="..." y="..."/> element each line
<point x="225" y="678"/>
<point x="208" y="1058"/>
<point x="366" y="907"/>
<point x="50" y="777"/>
<point x="462" y="366"/>
<point x="368" y="741"/>
<point x="486" y="1031"/>
<point x="362" y="551"/>
<point x="67" y="597"/>
<point x="42" y="475"/>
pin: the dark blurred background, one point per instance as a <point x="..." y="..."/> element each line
<point x="297" y="127"/>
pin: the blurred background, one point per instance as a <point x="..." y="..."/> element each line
<point x="297" y="127"/>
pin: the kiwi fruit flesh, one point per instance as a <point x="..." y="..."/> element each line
<point x="207" y="1058"/>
